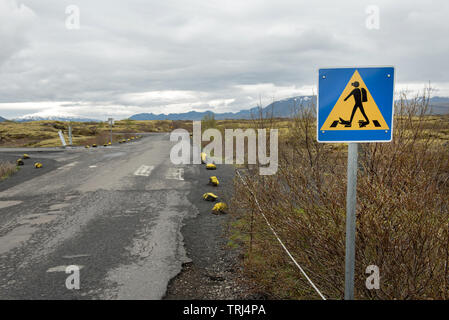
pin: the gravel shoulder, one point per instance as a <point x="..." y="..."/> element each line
<point x="214" y="272"/>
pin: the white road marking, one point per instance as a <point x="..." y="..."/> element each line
<point x="69" y="165"/>
<point x="92" y="166"/>
<point x="61" y="268"/>
<point x="76" y="256"/>
<point x="144" y="171"/>
<point x="175" y="174"/>
<point x="72" y="164"/>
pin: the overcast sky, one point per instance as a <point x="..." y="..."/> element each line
<point x="169" y="56"/>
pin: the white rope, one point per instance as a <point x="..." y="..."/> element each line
<point x="280" y="241"/>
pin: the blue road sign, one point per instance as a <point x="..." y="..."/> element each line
<point x="355" y="104"/>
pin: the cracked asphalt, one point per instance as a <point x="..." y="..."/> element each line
<point x="115" y="212"/>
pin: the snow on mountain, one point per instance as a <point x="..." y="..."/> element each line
<point x="28" y="118"/>
<point x="281" y="109"/>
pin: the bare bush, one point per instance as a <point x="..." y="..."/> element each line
<point x="7" y="169"/>
<point x="402" y="212"/>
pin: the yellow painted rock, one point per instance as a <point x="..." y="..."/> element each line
<point x="25" y="156"/>
<point x="20" y="162"/>
<point x="38" y="165"/>
<point x="213" y="181"/>
<point x="94" y="145"/>
<point x="220" y="207"/>
<point x="87" y="147"/>
<point x="210" y="196"/>
<point x="211" y="166"/>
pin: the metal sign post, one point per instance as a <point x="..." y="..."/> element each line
<point x="354" y="105"/>
<point x="110" y="126"/>
<point x="351" y="202"/>
<point x="70" y="135"/>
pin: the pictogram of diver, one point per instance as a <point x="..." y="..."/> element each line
<point x="360" y="96"/>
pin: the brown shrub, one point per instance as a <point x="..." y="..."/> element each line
<point x="402" y="213"/>
<point x="6" y="169"/>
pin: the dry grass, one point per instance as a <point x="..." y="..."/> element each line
<point x="6" y="169"/>
<point x="45" y="133"/>
<point x="402" y="213"/>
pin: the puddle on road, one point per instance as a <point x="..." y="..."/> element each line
<point x="57" y="206"/>
<point x="73" y="256"/>
<point x="113" y="155"/>
<point x="62" y="268"/>
<point x="6" y="204"/>
<point x="15" y="238"/>
<point x="26" y="227"/>
<point x="37" y="219"/>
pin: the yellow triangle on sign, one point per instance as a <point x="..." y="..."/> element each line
<point x="365" y="115"/>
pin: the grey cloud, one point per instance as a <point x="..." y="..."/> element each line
<point x="210" y="48"/>
<point x="15" y="20"/>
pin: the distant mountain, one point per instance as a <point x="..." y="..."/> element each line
<point x="280" y="109"/>
<point x="287" y="107"/>
<point x="192" y="115"/>
<point x="439" y="105"/>
<point x="53" y="118"/>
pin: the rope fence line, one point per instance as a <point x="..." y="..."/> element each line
<point x="280" y="241"/>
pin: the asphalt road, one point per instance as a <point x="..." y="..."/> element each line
<point x="115" y="212"/>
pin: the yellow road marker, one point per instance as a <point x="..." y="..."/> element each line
<point x="210" y="196"/>
<point x="211" y="166"/>
<point x="213" y="181"/>
<point x="220" y="207"/>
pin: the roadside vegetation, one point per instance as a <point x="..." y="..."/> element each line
<point x="7" y="169"/>
<point x="45" y="133"/>
<point x="402" y="211"/>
